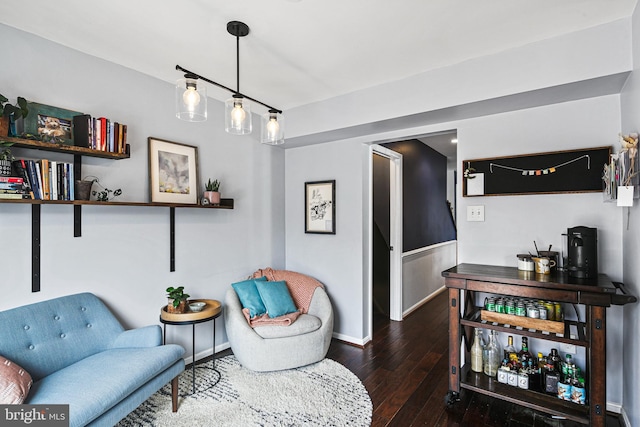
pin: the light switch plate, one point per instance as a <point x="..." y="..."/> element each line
<point x="475" y="213"/>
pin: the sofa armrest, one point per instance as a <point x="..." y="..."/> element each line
<point x="147" y="336"/>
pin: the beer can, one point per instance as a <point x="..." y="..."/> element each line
<point x="551" y="313"/>
<point x="558" y="314"/>
<point x="510" y="307"/>
<point x="500" y="305"/>
<point x="542" y="312"/>
<point x="521" y="309"/>
<point x="533" y="312"/>
<point x="490" y="304"/>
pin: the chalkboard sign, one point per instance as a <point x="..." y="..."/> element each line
<point x="572" y="171"/>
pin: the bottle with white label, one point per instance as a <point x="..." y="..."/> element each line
<point x="476" y="352"/>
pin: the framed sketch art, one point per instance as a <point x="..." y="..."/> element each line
<point x="173" y="172"/>
<point x="320" y="207"/>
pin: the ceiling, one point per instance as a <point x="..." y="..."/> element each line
<point x="302" y="51"/>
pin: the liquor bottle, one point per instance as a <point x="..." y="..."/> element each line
<point x="534" y="376"/>
<point x="503" y="372"/>
<point x="523" y="376"/>
<point x="554" y="359"/>
<point x="510" y="351"/>
<point x="476" y="352"/>
<point x="524" y="354"/>
<point x="542" y="362"/>
<point x="492" y="353"/>
<point x="551" y="375"/>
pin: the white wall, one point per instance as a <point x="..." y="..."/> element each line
<point x="335" y="260"/>
<point x="123" y="254"/>
<point x="630" y="101"/>
<point x="422" y="273"/>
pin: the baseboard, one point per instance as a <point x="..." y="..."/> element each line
<point x="616" y="408"/>
<point x="422" y="302"/>
<point x="207" y="353"/>
<point x="624" y="418"/>
<point x="351" y="340"/>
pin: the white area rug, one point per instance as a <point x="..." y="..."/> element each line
<point x="323" y="394"/>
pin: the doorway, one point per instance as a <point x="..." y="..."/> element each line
<point x="386" y="235"/>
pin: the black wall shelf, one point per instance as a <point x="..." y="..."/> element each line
<point x="78" y="153"/>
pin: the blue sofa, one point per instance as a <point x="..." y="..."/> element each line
<point x="77" y="353"/>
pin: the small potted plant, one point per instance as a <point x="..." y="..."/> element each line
<point x="9" y="113"/>
<point x="177" y="299"/>
<point x="212" y="193"/>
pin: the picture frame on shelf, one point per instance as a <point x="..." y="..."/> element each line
<point x="173" y="172"/>
<point x="49" y="123"/>
<point x="320" y="207"/>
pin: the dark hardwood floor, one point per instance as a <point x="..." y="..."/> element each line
<point x="405" y="372"/>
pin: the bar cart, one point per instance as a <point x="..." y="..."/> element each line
<point x="465" y="280"/>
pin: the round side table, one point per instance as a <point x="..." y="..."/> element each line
<point x="211" y="311"/>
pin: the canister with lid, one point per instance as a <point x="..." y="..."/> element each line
<point x="525" y="263"/>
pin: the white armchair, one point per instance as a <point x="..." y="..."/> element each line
<point x="274" y="347"/>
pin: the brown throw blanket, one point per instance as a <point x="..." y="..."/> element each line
<point x="301" y="288"/>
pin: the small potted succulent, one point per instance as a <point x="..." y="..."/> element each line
<point x="10" y="113"/>
<point x="212" y="193"/>
<point x="177" y="299"/>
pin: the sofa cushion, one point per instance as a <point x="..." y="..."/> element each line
<point x="15" y="383"/>
<point x="276" y="298"/>
<point x="116" y="373"/>
<point x="303" y="325"/>
<point x="249" y="296"/>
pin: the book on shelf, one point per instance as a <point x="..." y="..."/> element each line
<point x="11" y="179"/>
<point x="82" y="131"/>
<point x="20" y="168"/>
<point x="100" y="133"/>
<point x="33" y="178"/>
<point x="11" y="186"/>
<point x="14" y="196"/>
<point x="43" y="178"/>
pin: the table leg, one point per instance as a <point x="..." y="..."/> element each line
<point x="213" y="348"/>
<point x="193" y="357"/>
<point x="598" y="365"/>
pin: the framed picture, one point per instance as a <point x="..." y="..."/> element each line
<point x="50" y="124"/>
<point x="173" y="172"/>
<point x="320" y="207"/>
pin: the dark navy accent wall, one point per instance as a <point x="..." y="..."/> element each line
<point x="426" y="217"/>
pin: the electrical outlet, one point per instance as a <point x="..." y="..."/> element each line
<point x="475" y="213"/>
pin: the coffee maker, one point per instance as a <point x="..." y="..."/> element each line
<point x="582" y="259"/>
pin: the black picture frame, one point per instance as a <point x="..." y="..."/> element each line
<point x="320" y="207"/>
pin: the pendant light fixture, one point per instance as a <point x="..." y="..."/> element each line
<point x="191" y="100"/>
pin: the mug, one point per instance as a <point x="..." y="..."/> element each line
<point x="543" y="265"/>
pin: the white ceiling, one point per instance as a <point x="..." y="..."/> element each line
<point x="302" y="51"/>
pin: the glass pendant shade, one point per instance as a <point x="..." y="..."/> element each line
<point x="191" y="100"/>
<point x="237" y="116"/>
<point x="272" y="130"/>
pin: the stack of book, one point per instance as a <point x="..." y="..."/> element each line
<point x="13" y="187"/>
<point x="41" y="180"/>
<point x="100" y="134"/>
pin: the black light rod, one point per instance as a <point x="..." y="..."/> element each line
<point x="179" y="68"/>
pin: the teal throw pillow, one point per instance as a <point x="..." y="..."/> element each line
<point x="276" y="298"/>
<point x="250" y="297"/>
